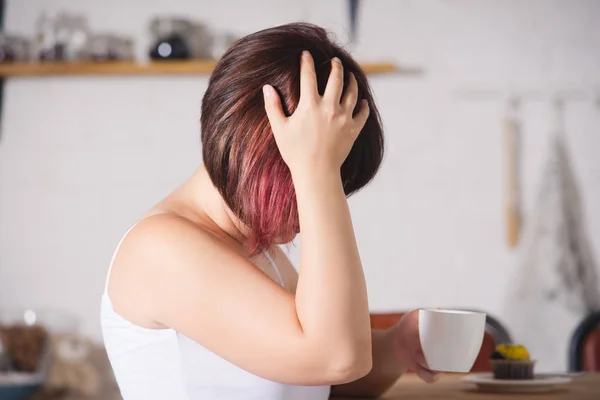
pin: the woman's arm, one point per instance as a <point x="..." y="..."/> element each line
<point x="331" y="293"/>
<point x="386" y="368"/>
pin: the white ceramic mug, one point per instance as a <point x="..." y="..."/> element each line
<point x="451" y="339"/>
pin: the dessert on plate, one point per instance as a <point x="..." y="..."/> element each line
<point x="512" y="361"/>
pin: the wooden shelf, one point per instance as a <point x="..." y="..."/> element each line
<point x="196" y="67"/>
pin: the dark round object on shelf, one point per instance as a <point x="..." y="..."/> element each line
<point x="173" y="47"/>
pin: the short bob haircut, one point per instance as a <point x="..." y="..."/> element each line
<point x="238" y="146"/>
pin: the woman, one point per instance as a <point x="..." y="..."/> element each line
<point x="200" y="302"/>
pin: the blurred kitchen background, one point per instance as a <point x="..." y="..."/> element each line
<point x="83" y="153"/>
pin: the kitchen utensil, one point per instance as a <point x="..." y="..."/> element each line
<point x="511" y="142"/>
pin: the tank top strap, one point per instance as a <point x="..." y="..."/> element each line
<point x="274" y="265"/>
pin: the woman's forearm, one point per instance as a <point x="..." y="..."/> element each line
<point x="331" y="297"/>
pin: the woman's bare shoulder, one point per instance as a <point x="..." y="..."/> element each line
<point x="153" y="248"/>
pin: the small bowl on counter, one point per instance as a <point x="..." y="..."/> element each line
<point x="24" y="354"/>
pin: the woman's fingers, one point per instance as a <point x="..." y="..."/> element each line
<point x="362" y="115"/>
<point x="423" y="370"/>
<point x="308" y="78"/>
<point x="335" y="83"/>
<point x="351" y="95"/>
<point x="420" y="358"/>
<point x="426" y="375"/>
<point x="273" y="107"/>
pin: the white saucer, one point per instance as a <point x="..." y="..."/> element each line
<point x="541" y="383"/>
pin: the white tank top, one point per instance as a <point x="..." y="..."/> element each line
<point x="161" y="364"/>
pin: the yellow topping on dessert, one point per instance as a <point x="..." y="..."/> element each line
<point x="513" y="351"/>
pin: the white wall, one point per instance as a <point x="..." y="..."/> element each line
<point x="80" y="158"/>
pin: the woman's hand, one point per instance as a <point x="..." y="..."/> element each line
<point x="322" y="130"/>
<point x="408" y="347"/>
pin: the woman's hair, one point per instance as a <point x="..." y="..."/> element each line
<point x="238" y="146"/>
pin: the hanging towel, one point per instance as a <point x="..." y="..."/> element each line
<point x="557" y="282"/>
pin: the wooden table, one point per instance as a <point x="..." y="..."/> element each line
<point x="451" y="388"/>
<point x="408" y="387"/>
